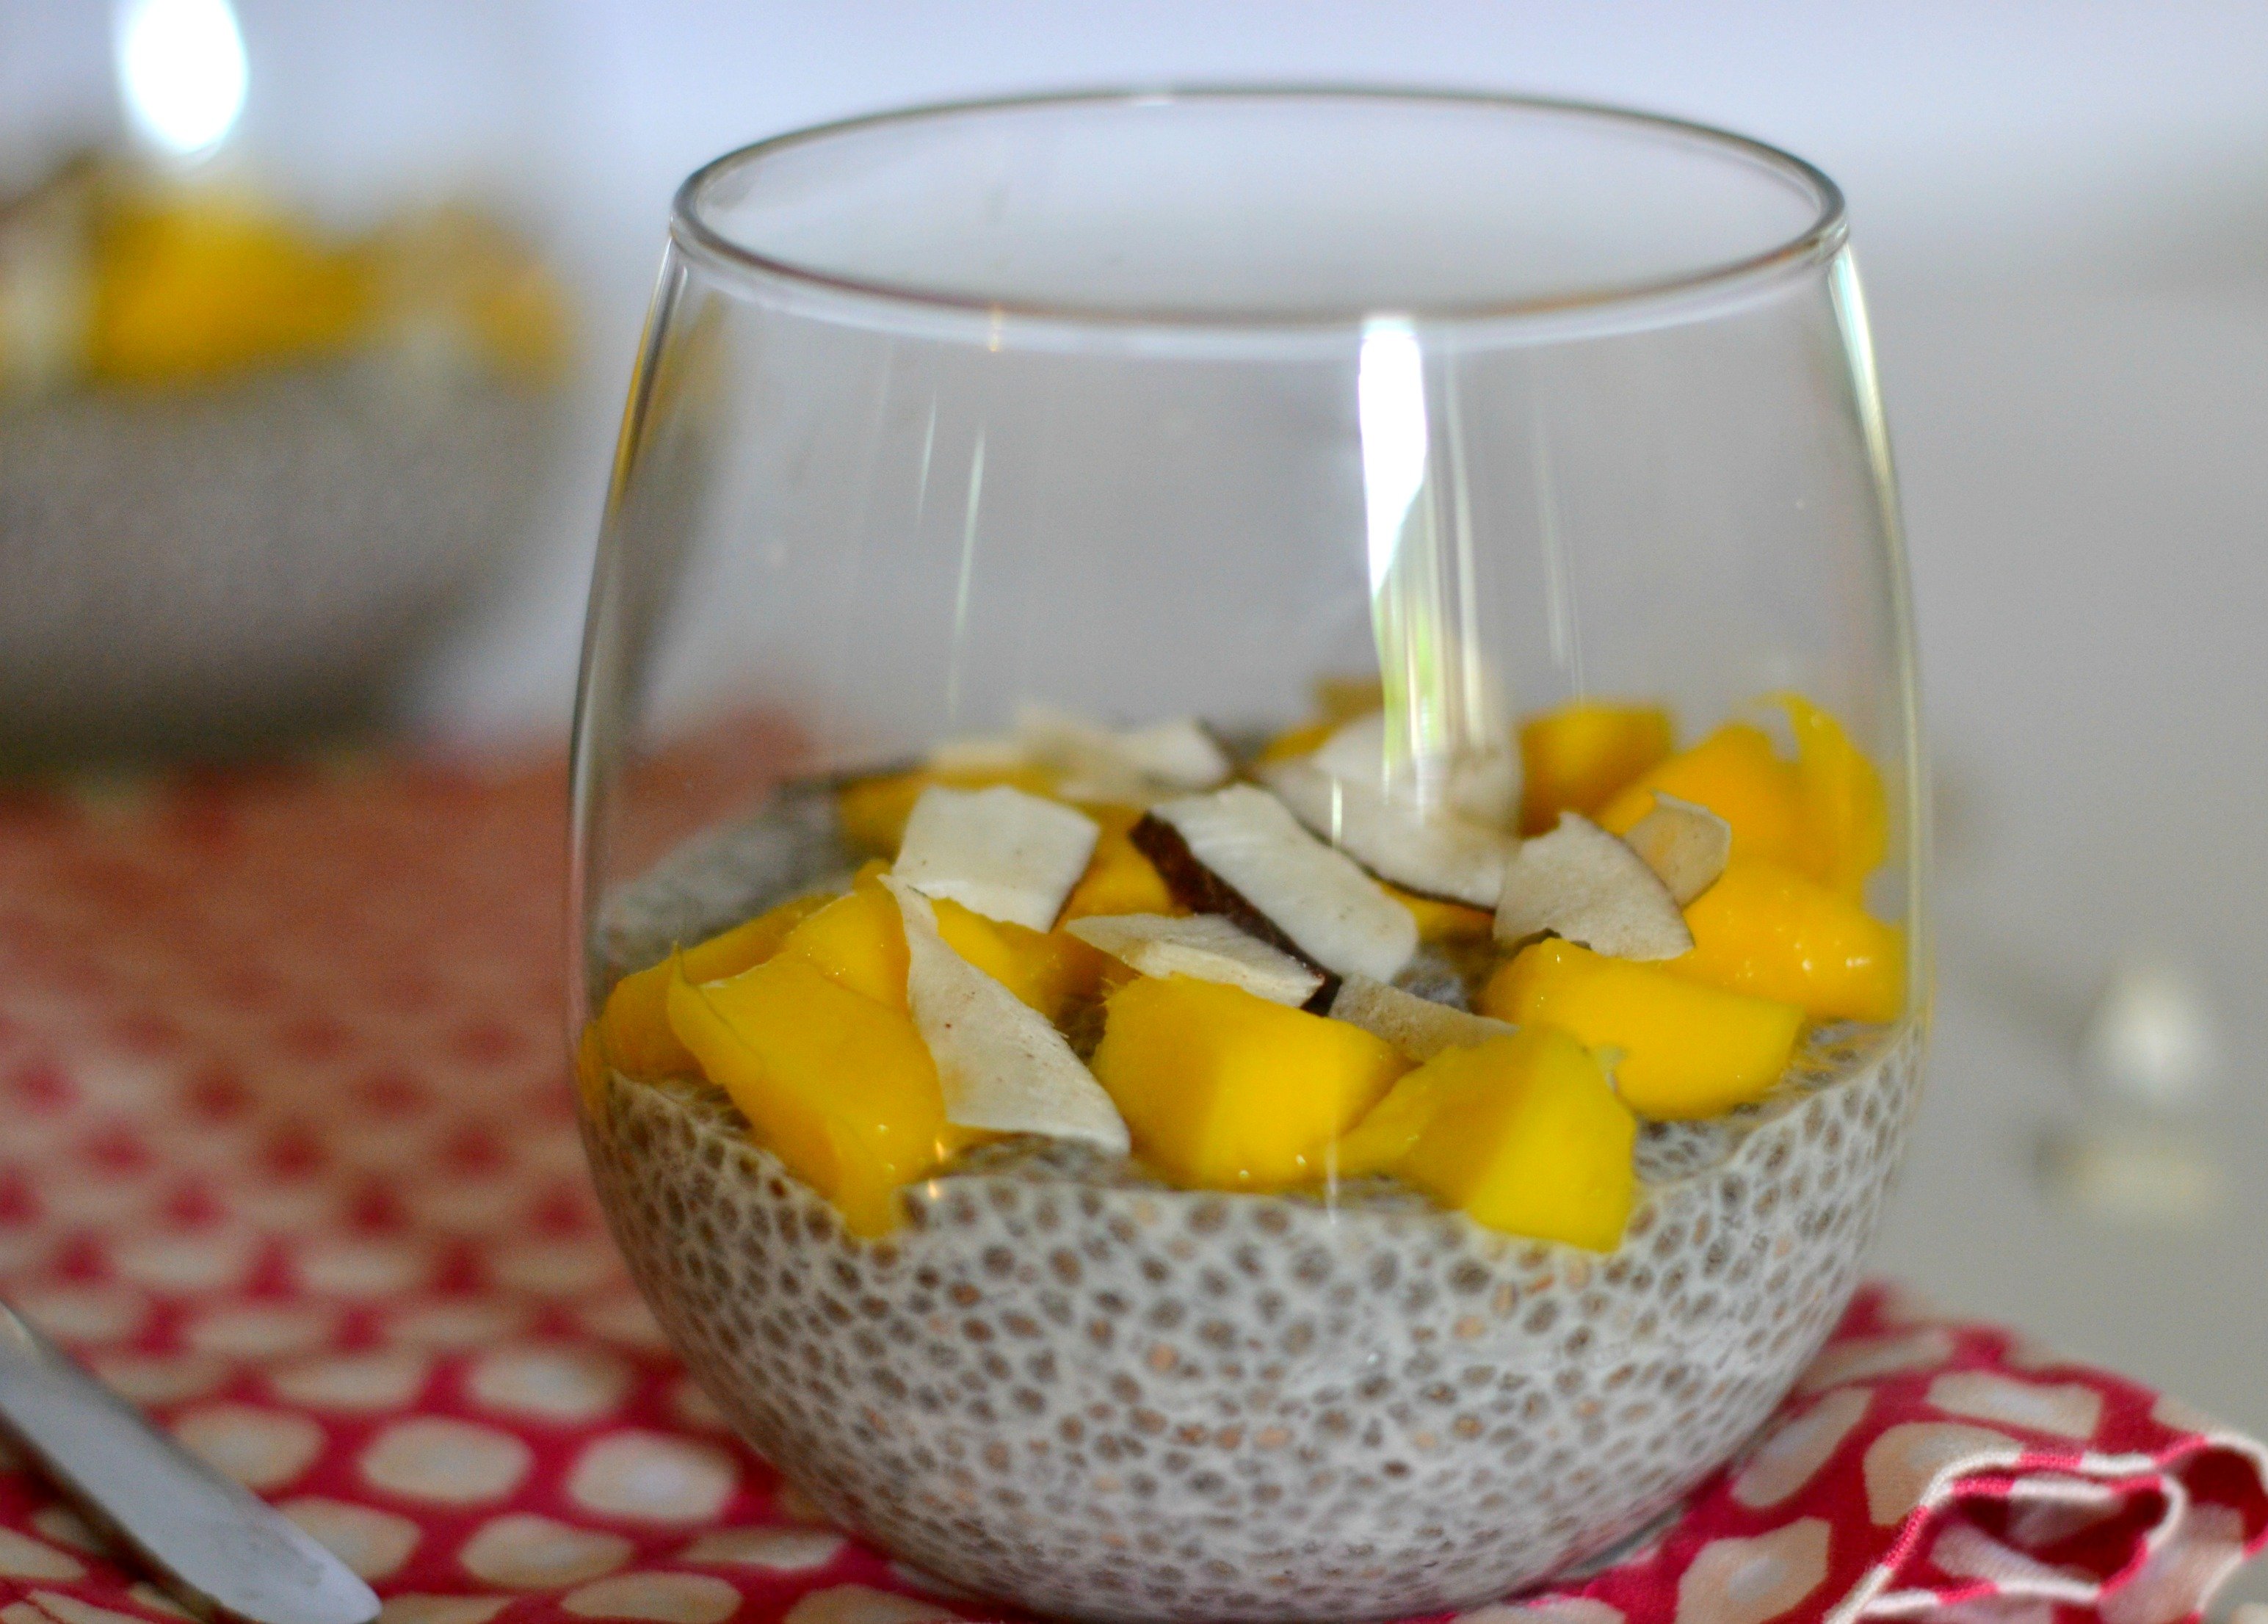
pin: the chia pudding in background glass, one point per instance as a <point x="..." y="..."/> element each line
<point x="1313" y="1017"/>
<point x="250" y="467"/>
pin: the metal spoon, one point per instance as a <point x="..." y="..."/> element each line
<point x="221" y="1550"/>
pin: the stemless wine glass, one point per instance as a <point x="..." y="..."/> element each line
<point x="1256" y="507"/>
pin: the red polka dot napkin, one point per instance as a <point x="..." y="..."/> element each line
<point x="288" y="1156"/>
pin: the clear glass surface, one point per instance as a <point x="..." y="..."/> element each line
<point x="1137" y="409"/>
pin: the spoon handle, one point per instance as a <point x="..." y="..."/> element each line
<point x="223" y="1551"/>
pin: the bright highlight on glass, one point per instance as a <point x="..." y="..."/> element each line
<point x="1390" y="394"/>
<point x="183" y="71"/>
<point x="1442" y="705"/>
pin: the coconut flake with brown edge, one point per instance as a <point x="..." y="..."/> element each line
<point x="1582" y="884"/>
<point x="1002" y="1067"/>
<point x="1203" y="945"/>
<point x="1000" y="852"/>
<point x="1418" y="1028"/>
<point x="1238" y="852"/>
<point x="1687" y="845"/>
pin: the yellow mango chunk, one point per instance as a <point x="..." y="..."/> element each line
<point x="1735" y="773"/>
<point x="1768" y="931"/>
<point x="1846" y="821"/>
<point x="1576" y="758"/>
<point x="1304" y="740"/>
<point x="210" y="283"/>
<point x="1047" y="969"/>
<point x="858" y="941"/>
<point x="873" y="810"/>
<point x="1340" y="700"/>
<point x="1522" y="1133"/>
<point x="1443" y="921"/>
<point x="837" y="1086"/>
<point x="1223" y="1090"/>
<point x="1687" y="1050"/>
<point x="1119" y="879"/>
<point x="633" y="1029"/>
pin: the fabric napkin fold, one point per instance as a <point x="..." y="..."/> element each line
<point x="287" y="1155"/>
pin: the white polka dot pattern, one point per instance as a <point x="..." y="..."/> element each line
<point x="781" y="1550"/>
<point x="416" y="1609"/>
<point x="375" y="1381"/>
<point x="454" y="1462"/>
<point x="262" y="1449"/>
<point x="1915" y="1457"/>
<point x="22" y="1557"/>
<point x="860" y="1603"/>
<point x="575" y="1384"/>
<point x="374" y="1543"/>
<point x="653" y="1477"/>
<point x="665" y="1597"/>
<point x="523" y="1552"/>
<point x="1748" y="1581"/>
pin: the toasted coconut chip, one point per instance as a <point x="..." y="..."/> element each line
<point x="1448" y="857"/>
<point x="1182" y="752"/>
<point x="1134" y="766"/>
<point x="1000" y="851"/>
<point x="1687" y="845"/>
<point x="1357" y="750"/>
<point x="1203" y="945"/>
<point x="1004" y="1069"/>
<point x="1418" y="1028"/>
<point x="1238" y="852"/>
<point x="1581" y="884"/>
<point x="1199" y="889"/>
<point x="1479" y="787"/>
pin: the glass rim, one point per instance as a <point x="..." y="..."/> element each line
<point x="693" y="233"/>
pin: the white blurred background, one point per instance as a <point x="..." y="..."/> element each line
<point x="2062" y="211"/>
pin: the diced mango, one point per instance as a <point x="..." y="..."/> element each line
<point x="1223" y="1090"/>
<point x="1119" y="879"/>
<point x="839" y="1087"/>
<point x="1047" y="969"/>
<point x="1687" y="1050"/>
<point x="1341" y="700"/>
<point x="873" y="810"/>
<point x="205" y="283"/>
<point x="1523" y="1133"/>
<point x="634" y="1027"/>
<point x="1576" y="758"/>
<point x="1846" y="821"/>
<point x="857" y="941"/>
<point x="1304" y="740"/>
<point x="1768" y="931"/>
<point x="1443" y="921"/>
<point x="1391" y="1129"/>
<point x="1735" y="773"/>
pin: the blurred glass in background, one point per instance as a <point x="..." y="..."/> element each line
<point x="275" y="409"/>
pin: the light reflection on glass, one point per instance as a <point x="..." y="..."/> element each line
<point x="182" y="72"/>
<point x="1444" y="710"/>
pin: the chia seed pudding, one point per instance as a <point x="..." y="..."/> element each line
<point x="1066" y="1380"/>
